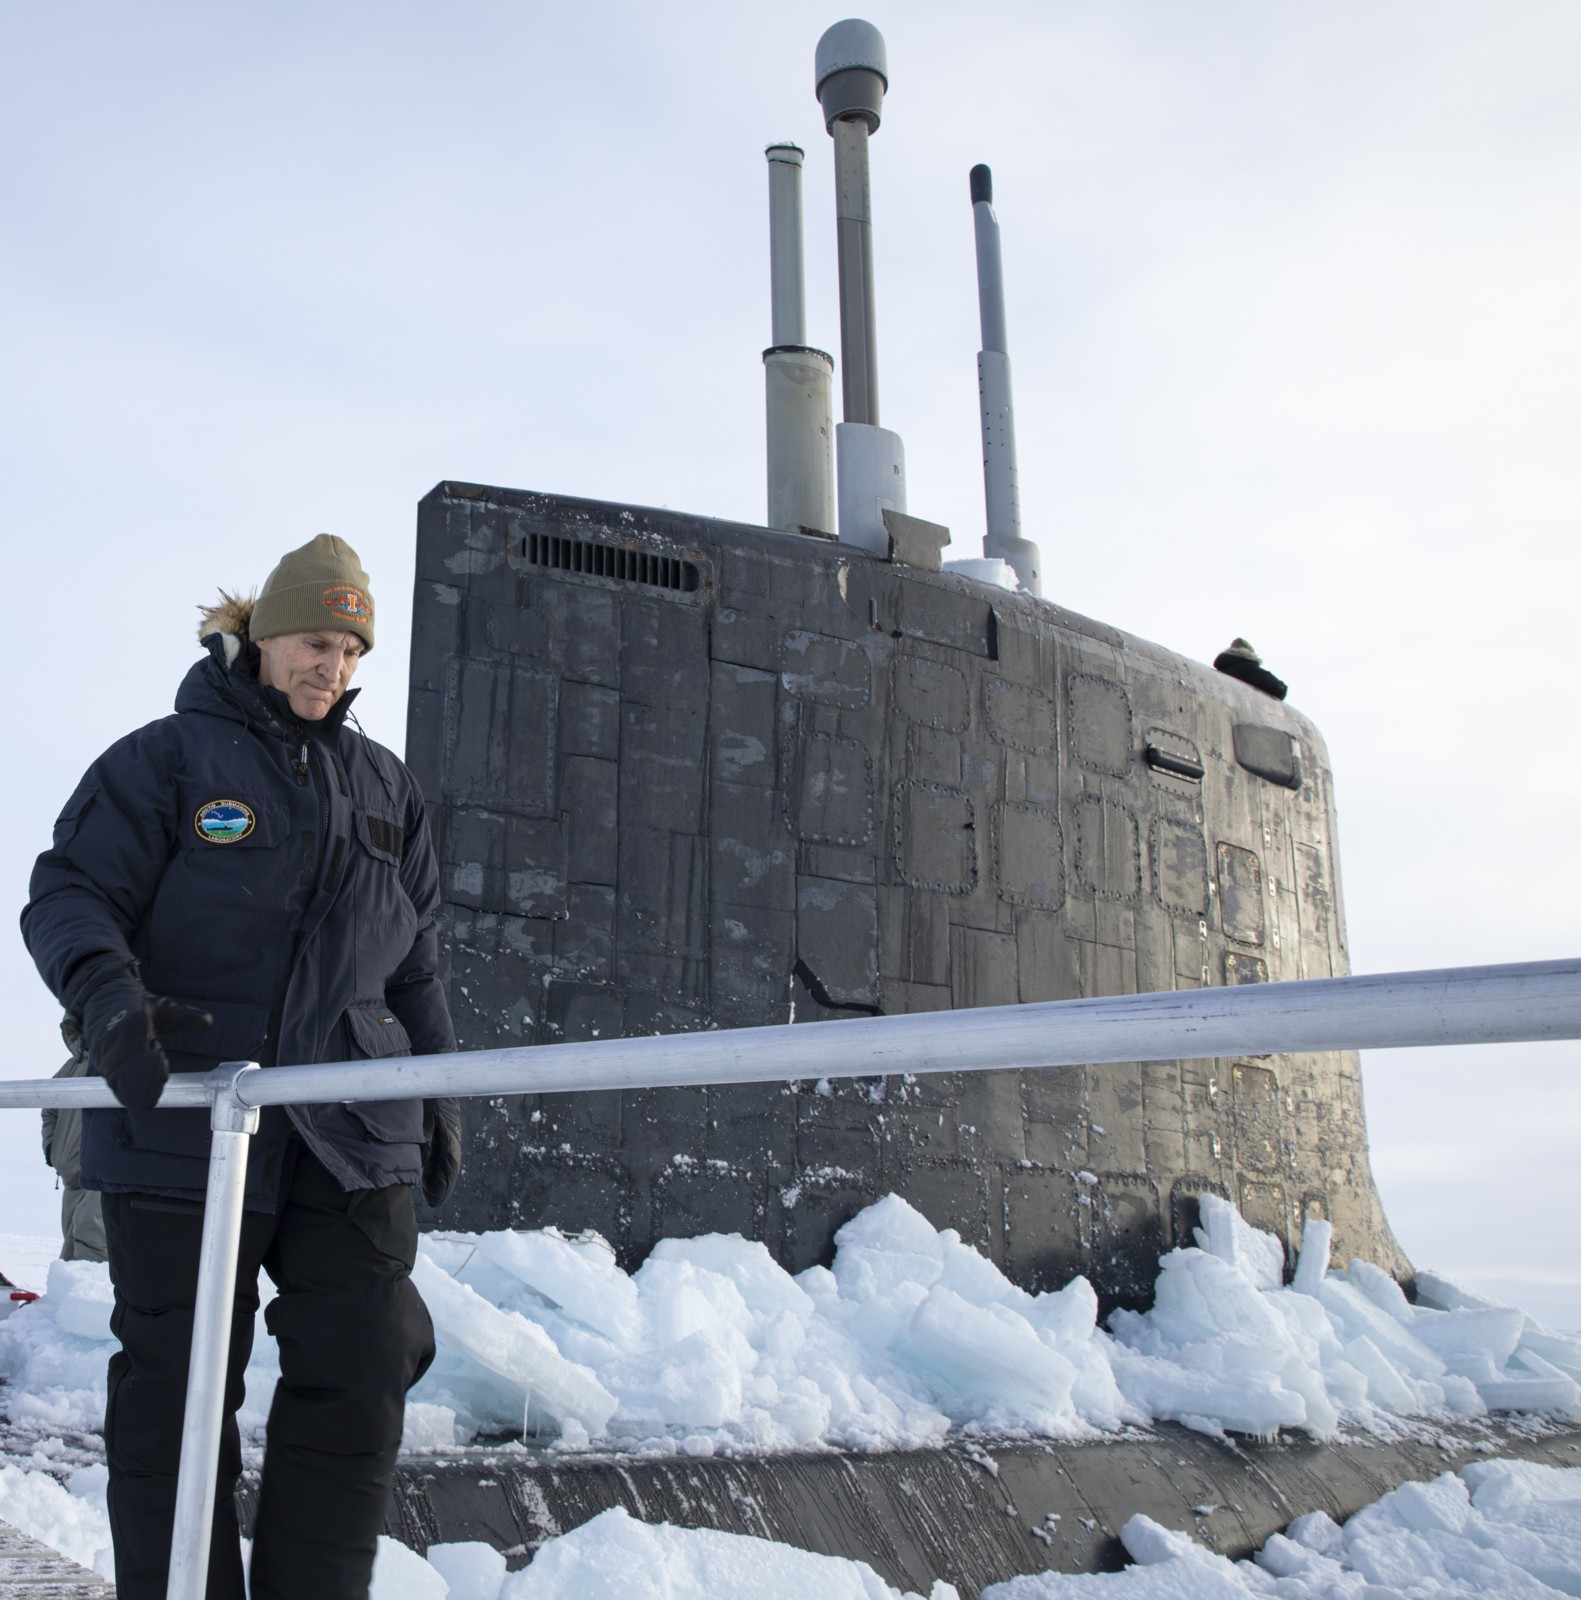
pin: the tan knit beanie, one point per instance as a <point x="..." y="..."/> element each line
<point x="322" y="585"/>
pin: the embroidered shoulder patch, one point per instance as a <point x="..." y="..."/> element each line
<point x="224" y="821"/>
<point x="345" y="601"/>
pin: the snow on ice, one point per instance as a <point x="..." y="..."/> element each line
<point x="711" y="1348"/>
<point x="1505" y="1528"/>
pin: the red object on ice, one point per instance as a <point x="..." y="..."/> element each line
<point x="24" y="1296"/>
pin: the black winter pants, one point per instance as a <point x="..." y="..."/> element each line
<point x="354" y="1336"/>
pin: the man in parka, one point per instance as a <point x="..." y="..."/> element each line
<point x="252" y="879"/>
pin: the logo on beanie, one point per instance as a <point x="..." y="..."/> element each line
<point x="224" y="821"/>
<point x="347" y="602"/>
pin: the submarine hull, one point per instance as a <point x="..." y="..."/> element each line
<point x="687" y="774"/>
<point x="973" y="1516"/>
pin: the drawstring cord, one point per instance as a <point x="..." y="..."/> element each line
<point x="367" y="750"/>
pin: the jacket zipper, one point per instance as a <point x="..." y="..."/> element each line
<point x="329" y="761"/>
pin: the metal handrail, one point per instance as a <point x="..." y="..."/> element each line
<point x="1456" y="1005"/>
<point x="1526" y="1001"/>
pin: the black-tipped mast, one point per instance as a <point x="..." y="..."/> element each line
<point x="1001" y="489"/>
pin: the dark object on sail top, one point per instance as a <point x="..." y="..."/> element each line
<point x="1243" y="662"/>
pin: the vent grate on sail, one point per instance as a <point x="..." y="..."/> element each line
<point x="646" y="569"/>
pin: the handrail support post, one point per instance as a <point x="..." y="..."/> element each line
<point x="233" y="1122"/>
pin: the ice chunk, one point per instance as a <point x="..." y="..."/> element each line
<point x="76" y="1525"/>
<point x="480" y="1401"/>
<point x="1433" y="1289"/>
<point x="1519" y="1534"/>
<point x="888" y="1245"/>
<point x="1520" y="1387"/>
<point x="83" y="1297"/>
<point x="1226" y="1234"/>
<point x="1440" y="1506"/>
<point x="615" y="1557"/>
<point x="1065" y="1316"/>
<point x="513" y="1349"/>
<point x="1495" y="1330"/>
<point x="1548" y="1373"/>
<point x="1359" y="1317"/>
<point x="680" y="1298"/>
<point x="55" y="1380"/>
<point x="1562" y="1349"/>
<point x="1347" y="1386"/>
<point x="1381" y="1289"/>
<point x="694" y="1383"/>
<point x="1322" y="1420"/>
<point x="1317" y="1241"/>
<point x="1284" y="1558"/>
<point x="584" y="1284"/>
<point x="1499" y="1488"/>
<point x="765" y="1287"/>
<point x="428" y="1427"/>
<point x="820" y="1286"/>
<point x="974" y="1277"/>
<point x="874" y="1321"/>
<point x="1147" y="1543"/>
<point x="1318" y="1531"/>
<point x="984" y="1356"/>
<point x="1200" y="1295"/>
<point x="473" y="1570"/>
<point x="1255" y="1403"/>
<point x="1169" y="1566"/>
<point x="1386" y="1385"/>
<point x="1066" y="1319"/>
<point x="1095" y="1394"/>
<point x="402" y="1574"/>
<point x="1461" y="1396"/>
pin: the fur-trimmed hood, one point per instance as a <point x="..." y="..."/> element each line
<point x="225" y="678"/>
<point x="231" y="617"/>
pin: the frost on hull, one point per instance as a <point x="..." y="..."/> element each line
<point x="690" y="774"/>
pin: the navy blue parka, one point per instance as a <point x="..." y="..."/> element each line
<point x="280" y="875"/>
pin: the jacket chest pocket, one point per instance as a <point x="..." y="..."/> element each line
<point x="227" y="896"/>
<point x="229" y="837"/>
<point x="383" y="837"/>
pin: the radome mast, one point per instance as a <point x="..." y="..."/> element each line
<point x="852" y="77"/>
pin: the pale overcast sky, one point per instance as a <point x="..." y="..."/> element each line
<point x="1295" y="328"/>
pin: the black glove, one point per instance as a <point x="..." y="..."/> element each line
<point x="442" y="1153"/>
<point x="122" y="1024"/>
